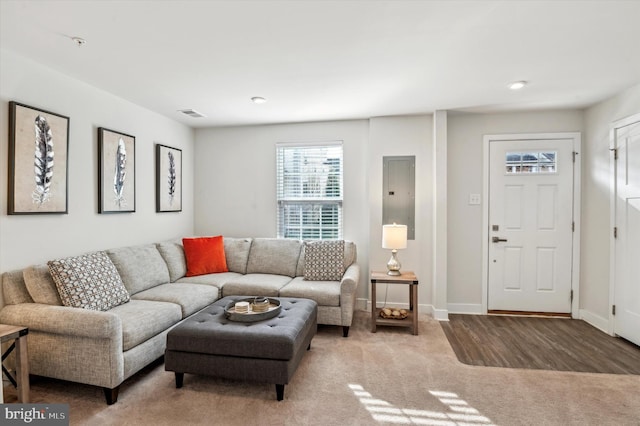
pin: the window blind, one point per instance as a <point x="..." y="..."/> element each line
<point x="309" y="191"/>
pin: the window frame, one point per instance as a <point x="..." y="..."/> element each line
<point x="310" y="208"/>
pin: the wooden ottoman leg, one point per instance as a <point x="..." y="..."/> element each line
<point x="179" y="380"/>
<point x="280" y="392"/>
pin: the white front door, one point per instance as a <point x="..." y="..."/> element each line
<point x="530" y="234"/>
<point x="627" y="223"/>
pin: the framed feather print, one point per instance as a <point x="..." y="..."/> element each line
<point x="38" y="161"/>
<point x="116" y="172"/>
<point x="168" y="179"/>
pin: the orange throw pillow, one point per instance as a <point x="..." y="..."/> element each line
<point x="204" y="255"/>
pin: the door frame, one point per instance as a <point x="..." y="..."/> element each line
<point x="571" y="137"/>
<point x="615" y="126"/>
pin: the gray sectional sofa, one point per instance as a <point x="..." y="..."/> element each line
<point x="104" y="348"/>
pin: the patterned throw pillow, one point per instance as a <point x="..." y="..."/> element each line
<point x="324" y="260"/>
<point x="90" y="281"/>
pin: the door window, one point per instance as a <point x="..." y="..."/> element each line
<point x="531" y="162"/>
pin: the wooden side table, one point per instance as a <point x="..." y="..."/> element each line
<point x="18" y="335"/>
<point x="407" y="278"/>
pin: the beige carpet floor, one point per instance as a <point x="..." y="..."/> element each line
<point x="387" y="378"/>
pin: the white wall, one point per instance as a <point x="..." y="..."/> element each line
<point x="29" y="239"/>
<point x="235" y="182"/>
<point x="465" y="133"/>
<point x="408" y="135"/>
<point x="236" y="185"/>
<point x="596" y="228"/>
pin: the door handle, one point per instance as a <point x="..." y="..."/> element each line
<point x="498" y="240"/>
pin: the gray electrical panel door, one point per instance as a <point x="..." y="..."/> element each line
<point x="399" y="192"/>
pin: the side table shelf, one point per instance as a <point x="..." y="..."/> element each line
<point x="406" y="278"/>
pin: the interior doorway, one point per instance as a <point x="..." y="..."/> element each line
<point x="625" y="238"/>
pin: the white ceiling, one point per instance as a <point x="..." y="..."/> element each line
<point x="333" y="60"/>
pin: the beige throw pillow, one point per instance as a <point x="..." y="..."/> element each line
<point x="40" y="285"/>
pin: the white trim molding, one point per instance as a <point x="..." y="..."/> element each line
<point x="465" y="308"/>
<point x="597" y="321"/>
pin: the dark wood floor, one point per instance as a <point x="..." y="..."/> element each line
<point x="539" y="343"/>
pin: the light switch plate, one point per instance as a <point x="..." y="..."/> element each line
<point x="474" y="199"/>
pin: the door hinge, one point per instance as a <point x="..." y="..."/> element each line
<point x="613" y="310"/>
<point x="571" y="297"/>
<point x="574" y="156"/>
<point x="573" y="227"/>
<point x="615" y="232"/>
<point x="615" y="153"/>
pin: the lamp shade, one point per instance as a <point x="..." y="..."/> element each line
<point x="394" y="236"/>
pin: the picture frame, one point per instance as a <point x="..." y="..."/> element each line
<point x="116" y="172"/>
<point x="168" y="179"/>
<point x="38" y="161"/>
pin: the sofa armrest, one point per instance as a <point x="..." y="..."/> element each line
<point x="62" y="320"/>
<point x="349" y="282"/>
<point x="348" y="287"/>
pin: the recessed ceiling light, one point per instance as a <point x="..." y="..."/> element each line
<point x="79" y="41"/>
<point x="517" y="85"/>
<point x="258" y="100"/>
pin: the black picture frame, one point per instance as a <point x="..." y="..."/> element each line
<point x="38" y="161"/>
<point x="116" y="172"/>
<point x="168" y="179"/>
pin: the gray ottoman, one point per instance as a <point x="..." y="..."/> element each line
<point x="264" y="351"/>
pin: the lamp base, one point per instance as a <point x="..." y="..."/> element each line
<point x="393" y="265"/>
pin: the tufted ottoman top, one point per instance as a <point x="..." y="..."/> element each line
<point x="209" y="332"/>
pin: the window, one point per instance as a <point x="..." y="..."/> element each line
<point x="309" y="191"/>
<point x="530" y="162"/>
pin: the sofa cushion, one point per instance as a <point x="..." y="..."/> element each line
<point x="204" y="255"/>
<point x="141" y="267"/>
<point x="14" y="289"/>
<point x="173" y="254"/>
<point x="89" y="281"/>
<point x="237" y="253"/>
<point x="218" y="280"/>
<point x="324" y="260"/>
<point x="190" y="297"/>
<point x="325" y="293"/>
<point x="41" y="286"/>
<point x="143" y="319"/>
<point x="256" y="285"/>
<point x="274" y="256"/>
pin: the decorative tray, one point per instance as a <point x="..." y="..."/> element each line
<point x="271" y="311"/>
<point x="394" y="313"/>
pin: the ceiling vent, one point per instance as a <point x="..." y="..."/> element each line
<point x="192" y="113"/>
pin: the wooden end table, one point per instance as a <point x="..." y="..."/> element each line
<point x="406" y="278"/>
<point x="18" y="335"/>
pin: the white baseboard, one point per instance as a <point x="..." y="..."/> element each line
<point x="597" y="321"/>
<point x="465" y="308"/>
<point x="363" y="304"/>
<point x="440" y="314"/>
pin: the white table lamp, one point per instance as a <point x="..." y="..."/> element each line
<point x="394" y="237"/>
